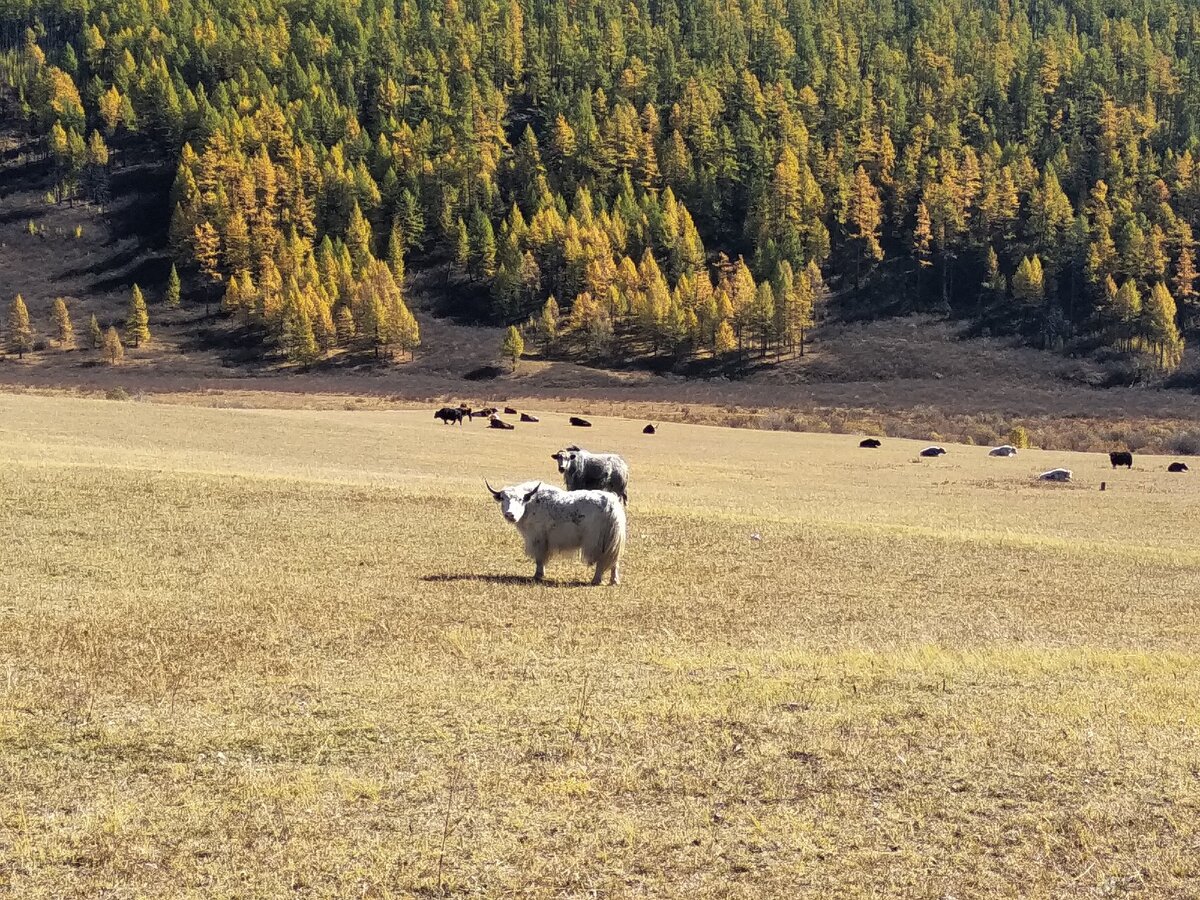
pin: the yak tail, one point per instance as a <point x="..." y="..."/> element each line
<point x="611" y="542"/>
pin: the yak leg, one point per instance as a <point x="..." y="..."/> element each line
<point x="599" y="578"/>
<point x="540" y="572"/>
<point x="615" y="578"/>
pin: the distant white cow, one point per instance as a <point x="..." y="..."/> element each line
<point x="584" y="471"/>
<point x="1003" y="450"/>
<point x="1056" y="475"/>
<point x="555" y="522"/>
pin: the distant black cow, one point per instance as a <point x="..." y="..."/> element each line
<point x="649" y="429"/>
<point x="580" y="423"/>
<point x="487" y="412"/>
<point x="497" y="422"/>
<point x="449" y="415"/>
<point x="1177" y="467"/>
<point x="870" y="443"/>
<point x="933" y="451"/>
<point x="509" y="411"/>
<point x="526" y="417"/>
<point x="1121" y="458"/>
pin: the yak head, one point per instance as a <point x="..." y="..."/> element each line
<point x="513" y="500"/>
<point x="564" y="457"/>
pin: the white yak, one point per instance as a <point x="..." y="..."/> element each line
<point x="555" y="522"/>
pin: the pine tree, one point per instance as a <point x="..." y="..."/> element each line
<point x="462" y="247"/>
<point x="358" y="239"/>
<point x="1183" y="283"/>
<point x="764" y="315"/>
<point x="865" y="216"/>
<point x="137" y="319"/>
<point x="408" y="331"/>
<point x="18" y="336"/>
<point x="1127" y="307"/>
<point x="483" y="247"/>
<point x="548" y="324"/>
<point x="803" y="305"/>
<point x="395" y="252"/>
<point x="1029" y="283"/>
<point x="725" y="341"/>
<point x="172" y="296"/>
<point x="513" y="346"/>
<point x="114" y="351"/>
<point x="1159" y="329"/>
<point x="95" y="335"/>
<point x="344" y="326"/>
<point x="64" y="331"/>
<point x="299" y="342"/>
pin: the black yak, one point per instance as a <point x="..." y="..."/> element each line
<point x="870" y="443"/>
<point x="649" y="429"/>
<point x="580" y="423"/>
<point x="1177" y="467"/>
<point x="450" y="414"/>
<point x="1121" y="458"/>
<point x="526" y="417"/>
<point x="497" y="422"/>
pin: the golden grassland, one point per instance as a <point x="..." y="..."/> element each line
<point x="255" y="653"/>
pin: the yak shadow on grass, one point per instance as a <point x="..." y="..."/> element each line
<point x="502" y="579"/>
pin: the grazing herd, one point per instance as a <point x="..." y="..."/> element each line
<point x="454" y="415"/>
<point x="589" y="517"/>
<point x="1116" y="458"/>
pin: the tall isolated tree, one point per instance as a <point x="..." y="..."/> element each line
<point x="172" y="296"/>
<point x="95" y="335"/>
<point x="18" y="336"/>
<point x="114" y="350"/>
<point x="64" y="331"/>
<point x="137" y="319"/>
<point x="513" y="346"/>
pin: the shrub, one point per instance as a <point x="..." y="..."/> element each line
<point x="1019" y="437"/>
<point x="1185" y="443"/>
<point x="117" y="393"/>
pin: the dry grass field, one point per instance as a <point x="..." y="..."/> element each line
<point x="258" y="653"/>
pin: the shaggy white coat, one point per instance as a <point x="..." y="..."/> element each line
<point x="555" y="522"/>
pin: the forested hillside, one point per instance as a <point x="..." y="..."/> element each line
<point x="645" y="178"/>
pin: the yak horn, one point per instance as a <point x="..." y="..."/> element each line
<point x="529" y="496"/>
<point x="495" y="493"/>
